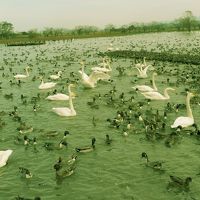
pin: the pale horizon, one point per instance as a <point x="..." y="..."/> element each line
<point x="31" y="14"/>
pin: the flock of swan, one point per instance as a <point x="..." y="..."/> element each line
<point x="103" y="72"/>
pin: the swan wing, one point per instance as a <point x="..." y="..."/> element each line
<point x="143" y="88"/>
<point x="100" y="69"/>
<point x="58" y="96"/>
<point x="183" y="121"/>
<point x="54" y="77"/>
<point x="4" y="155"/>
<point x="20" y="76"/>
<point x="95" y="76"/>
<point x="84" y="75"/>
<point x="62" y="111"/>
<point x="153" y="95"/>
<point x="47" y="85"/>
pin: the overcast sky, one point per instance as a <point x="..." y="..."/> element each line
<point x="28" y="14"/>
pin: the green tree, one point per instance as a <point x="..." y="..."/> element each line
<point x="188" y="20"/>
<point x="6" y="29"/>
<point x="109" y="28"/>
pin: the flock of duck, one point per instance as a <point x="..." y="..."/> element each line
<point x="129" y="110"/>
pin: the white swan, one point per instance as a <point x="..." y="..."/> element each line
<point x="55" y="77"/>
<point x="64" y="111"/>
<point x="21" y="76"/>
<point x="47" y="85"/>
<point x="145" y="88"/>
<point x="104" y="67"/>
<point x="60" y="96"/>
<point x="157" y="95"/>
<point x="185" y="121"/>
<point x="90" y="81"/>
<point x="142" y="65"/>
<point x="142" y="69"/>
<point x="4" y="155"/>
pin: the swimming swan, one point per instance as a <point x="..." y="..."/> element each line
<point x="60" y="96"/>
<point x="104" y="67"/>
<point x="142" y="72"/>
<point x="145" y="88"/>
<point x="47" y="85"/>
<point x="55" y="77"/>
<point x="142" y="69"/>
<point x="21" y="76"/>
<point x="4" y="155"/>
<point x="90" y="81"/>
<point x="157" y="95"/>
<point x="185" y="121"/>
<point x="64" y="111"/>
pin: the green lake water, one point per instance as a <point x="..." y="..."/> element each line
<point x="113" y="171"/>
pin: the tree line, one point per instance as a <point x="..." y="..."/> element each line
<point x="187" y="22"/>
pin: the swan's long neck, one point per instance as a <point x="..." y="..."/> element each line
<point x="153" y="82"/>
<point x="139" y="70"/>
<point x="166" y="95"/>
<point x="70" y="99"/>
<point x="146" y="68"/>
<point x="109" y="67"/>
<point x="27" y="74"/>
<point x="145" y="62"/>
<point x="189" y="110"/>
<point x="82" y="69"/>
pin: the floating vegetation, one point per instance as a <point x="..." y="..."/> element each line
<point x="159" y="56"/>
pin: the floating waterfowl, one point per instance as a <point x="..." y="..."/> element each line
<point x="154" y="164"/>
<point x="60" y="96"/>
<point x="47" y="85"/>
<point x="55" y="77"/>
<point x="185" y="121"/>
<point x="104" y="67"/>
<point x="108" y="140"/>
<point x="91" y="81"/>
<point x="87" y="149"/>
<point x="23" y="76"/>
<point x="64" y="169"/>
<point x="157" y="95"/>
<point x="145" y="88"/>
<point x="142" y="69"/>
<point x="179" y="182"/>
<point x="25" y="172"/>
<point x="64" y="111"/>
